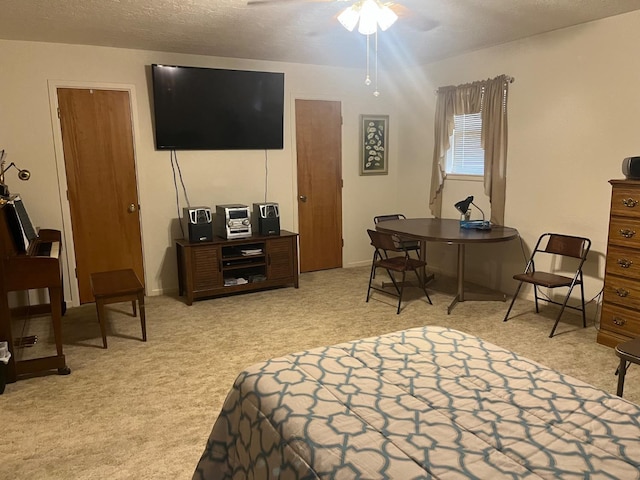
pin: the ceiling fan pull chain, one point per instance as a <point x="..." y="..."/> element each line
<point x="376" y="93"/>
<point x="367" y="80"/>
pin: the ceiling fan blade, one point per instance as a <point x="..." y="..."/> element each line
<point x="324" y="28"/>
<point x="411" y="19"/>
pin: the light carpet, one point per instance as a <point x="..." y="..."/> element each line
<point x="144" y="410"/>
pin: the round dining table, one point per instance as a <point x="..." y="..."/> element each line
<point x="449" y="231"/>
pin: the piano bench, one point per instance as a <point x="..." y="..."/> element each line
<point x="118" y="286"/>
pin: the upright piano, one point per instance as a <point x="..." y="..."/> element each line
<point x="29" y="260"/>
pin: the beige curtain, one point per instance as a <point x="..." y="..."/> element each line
<point x="490" y="98"/>
<point x="494" y="142"/>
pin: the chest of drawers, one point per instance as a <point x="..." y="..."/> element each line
<point x="620" y="319"/>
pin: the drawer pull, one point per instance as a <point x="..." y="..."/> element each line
<point x="629" y="202"/>
<point x="624" y="263"/>
<point x="619" y="321"/>
<point x="622" y="292"/>
<point x="626" y="233"/>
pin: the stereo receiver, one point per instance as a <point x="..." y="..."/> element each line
<point x="233" y="221"/>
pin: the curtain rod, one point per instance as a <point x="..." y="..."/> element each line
<point x="508" y="78"/>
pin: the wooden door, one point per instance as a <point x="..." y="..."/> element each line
<point x="97" y="140"/>
<point x="319" y="147"/>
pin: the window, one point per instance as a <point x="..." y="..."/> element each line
<point x="466" y="155"/>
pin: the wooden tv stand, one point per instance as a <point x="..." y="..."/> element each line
<point x="206" y="269"/>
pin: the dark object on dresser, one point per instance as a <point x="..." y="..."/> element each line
<point x="631" y="168"/>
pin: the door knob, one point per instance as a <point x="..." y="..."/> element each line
<point x="303" y="198"/>
<point x="132" y="208"/>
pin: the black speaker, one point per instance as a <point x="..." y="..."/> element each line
<point x="631" y="168"/>
<point x="197" y="222"/>
<point x="266" y="218"/>
<point x="200" y="232"/>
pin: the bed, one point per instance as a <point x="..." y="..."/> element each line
<point x="423" y="403"/>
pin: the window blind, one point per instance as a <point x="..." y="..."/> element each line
<point x="465" y="155"/>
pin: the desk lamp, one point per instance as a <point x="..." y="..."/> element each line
<point x="463" y="206"/>
<point x="23" y="175"/>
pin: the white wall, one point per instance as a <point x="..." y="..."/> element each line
<point x="212" y="177"/>
<point x="573" y="117"/>
<point x="573" y="113"/>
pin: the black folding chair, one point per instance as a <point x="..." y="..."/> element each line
<point x="558" y="246"/>
<point x="384" y="243"/>
<point x="410" y="245"/>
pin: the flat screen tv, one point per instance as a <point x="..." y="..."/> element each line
<point x="215" y="109"/>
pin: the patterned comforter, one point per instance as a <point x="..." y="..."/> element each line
<point x="421" y="403"/>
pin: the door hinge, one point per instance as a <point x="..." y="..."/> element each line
<point x="342" y="239"/>
<point x="76" y="271"/>
<point x="58" y="112"/>
<point x="342" y="183"/>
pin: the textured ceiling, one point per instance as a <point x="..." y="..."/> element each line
<point x="300" y="31"/>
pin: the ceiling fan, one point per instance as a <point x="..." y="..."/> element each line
<point x="407" y="17"/>
<point x="371" y="17"/>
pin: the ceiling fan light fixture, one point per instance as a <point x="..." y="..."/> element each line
<point x="369" y="13"/>
<point x="386" y="17"/>
<point x="349" y="18"/>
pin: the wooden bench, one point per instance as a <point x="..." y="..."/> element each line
<point x="118" y="286"/>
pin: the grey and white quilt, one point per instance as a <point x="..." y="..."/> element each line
<point x="422" y="403"/>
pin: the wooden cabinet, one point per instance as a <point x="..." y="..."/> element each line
<point x="221" y="267"/>
<point x="620" y="319"/>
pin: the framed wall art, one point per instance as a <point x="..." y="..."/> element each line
<point x="374" y="142"/>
